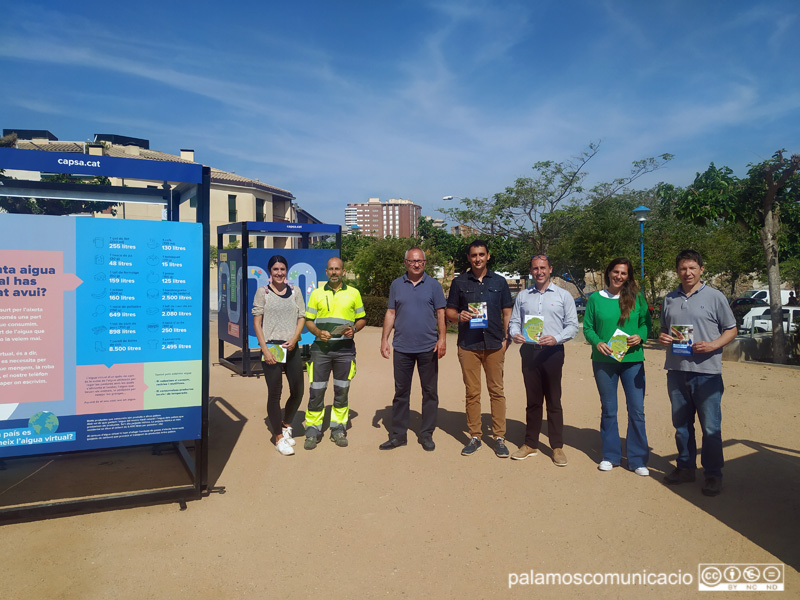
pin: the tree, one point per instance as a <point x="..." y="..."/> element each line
<point x="790" y="244"/>
<point x="665" y="235"/>
<point x="57" y="206"/>
<point x="380" y="263"/>
<point x="592" y="236"/>
<point x="521" y="211"/>
<point x="445" y="248"/>
<point x="447" y="245"/>
<point x="731" y="253"/>
<point x="351" y="245"/>
<point x="606" y="229"/>
<point x="9" y="141"/>
<point x="755" y="203"/>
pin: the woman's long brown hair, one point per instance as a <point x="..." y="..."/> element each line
<point x="627" y="295"/>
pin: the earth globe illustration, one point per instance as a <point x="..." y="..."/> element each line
<point x="43" y="422"/>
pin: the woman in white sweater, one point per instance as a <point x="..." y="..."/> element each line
<point x="278" y="320"/>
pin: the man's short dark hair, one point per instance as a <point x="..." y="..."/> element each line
<point x="478" y="244"/>
<point x="688" y="255"/>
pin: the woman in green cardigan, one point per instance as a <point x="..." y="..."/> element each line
<point x="616" y="324"/>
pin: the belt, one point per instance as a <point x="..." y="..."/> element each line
<point x="541" y="347"/>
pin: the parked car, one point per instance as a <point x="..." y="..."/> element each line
<point x="791" y="314"/>
<point x="764" y="295"/>
<point x="748" y="301"/>
<point x="745" y="321"/>
<point x="580" y="303"/>
<point x="744" y="309"/>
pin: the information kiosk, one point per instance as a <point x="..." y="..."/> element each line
<point x="104" y="329"/>
<point x="243" y="270"/>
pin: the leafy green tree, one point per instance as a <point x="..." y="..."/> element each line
<point x="232" y="245"/>
<point x="732" y="253"/>
<point x="522" y="210"/>
<point x="56" y="206"/>
<point x="665" y="235"/>
<point x="8" y="141"/>
<point x="593" y="235"/>
<point x="447" y="245"/>
<point x="509" y="255"/>
<point x="755" y="203"/>
<point x="377" y="265"/>
<point x="790" y="244"/>
<point x="351" y="245"/>
<point x="606" y="229"/>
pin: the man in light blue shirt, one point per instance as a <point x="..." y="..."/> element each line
<point x="543" y="361"/>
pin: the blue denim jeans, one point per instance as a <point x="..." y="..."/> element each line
<point x="700" y="394"/>
<point x="607" y="376"/>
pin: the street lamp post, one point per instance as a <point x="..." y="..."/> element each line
<point x="641" y="216"/>
<point x="460" y="198"/>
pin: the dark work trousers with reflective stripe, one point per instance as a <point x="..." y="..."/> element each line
<point x="342" y="364"/>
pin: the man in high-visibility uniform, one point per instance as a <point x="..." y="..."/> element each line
<point x="334" y="313"/>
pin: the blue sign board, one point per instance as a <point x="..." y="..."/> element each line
<point x="75" y="163"/>
<point x="101" y="324"/>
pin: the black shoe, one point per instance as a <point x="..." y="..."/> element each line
<point x="428" y="445"/>
<point x="339" y="438"/>
<point x="470" y="448"/>
<point x="679" y="475"/>
<point x="713" y="486"/>
<point x="500" y="448"/>
<point x="392" y="444"/>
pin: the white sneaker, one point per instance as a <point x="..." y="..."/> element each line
<point x="642" y="471"/>
<point x="287" y="435"/>
<point x="284" y="448"/>
<point x="605" y="465"/>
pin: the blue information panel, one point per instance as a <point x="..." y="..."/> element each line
<point x="140" y="291"/>
<point x="101" y="326"/>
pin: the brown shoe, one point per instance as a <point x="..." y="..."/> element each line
<point x="559" y="458"/>
<point x="524" y="452"/>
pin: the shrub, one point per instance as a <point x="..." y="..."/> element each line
<point x="375" y="307"/>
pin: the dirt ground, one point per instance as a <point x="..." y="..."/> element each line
<point x="360" y="523"/>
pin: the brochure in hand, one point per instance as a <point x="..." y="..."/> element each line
<point x="339" y="330"/>
<point x="532" y="331"/>
<point x="682" y="339"/>
<point x="619" y="345"/>
<point x="276" y="351"/>
<point x="480" y="320"/>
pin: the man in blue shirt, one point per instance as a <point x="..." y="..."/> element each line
<point x="480" y="302"/>
<point x="543" y="361"/>
<point x="416" y="313"/>
<point x="696" y="322"/>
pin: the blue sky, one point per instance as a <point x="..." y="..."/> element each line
<point x="341" y="101"/>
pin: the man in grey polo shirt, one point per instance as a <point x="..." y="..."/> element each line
<point x="696" y="322"/>
<point x="543" y="361"/>
<point x="416" y="313"/>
